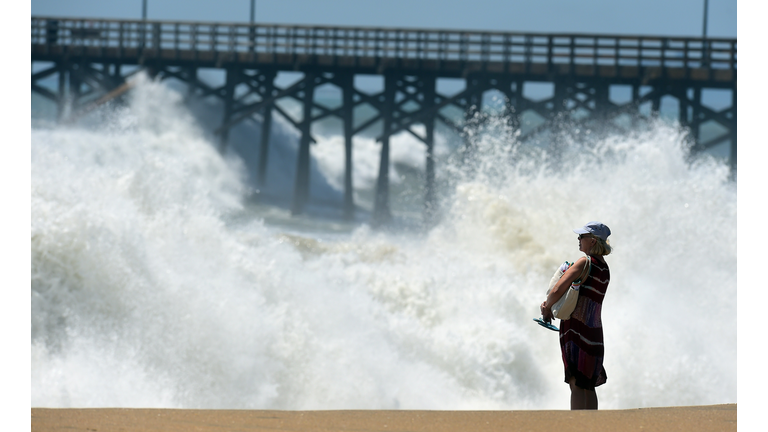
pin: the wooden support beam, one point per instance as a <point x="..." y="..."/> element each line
<point x="61" y="106"/>
<point x="119" y="91"/>
<point x="450" y="124"/>
<point x="554" y="117"/>
<point x="511" y="101"/>
<point x="367" y="123"/>
<point x="713" y="142"/>
<point x="232" y="79"/>
<point x="696" y="117"/>
<point x="602" y="103"/>
<point x="75" y="84"/>
<point x="635" y="102"/>
<point x="301" y="186"/>
<point x="254" y="108"/>
<point x="372" y="100"/>
<point x="191" y="74"/>
<point x="266" y="126"/>
<point x="45" y="92"/>
<point x="474" y="102"/>
<point x="348" y="89"/>
<point x="430" y="198"/>
<point x="44" y="73"/>
<point x="732" y="159"/>
<point x="706" y="113"/>
<point x="426" y="112"/>
<point x="289" y="119"/>
<point x="655" y="100"/>
<point x="381" y="210"/>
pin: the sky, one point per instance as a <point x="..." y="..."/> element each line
<point x="627" y="17"/>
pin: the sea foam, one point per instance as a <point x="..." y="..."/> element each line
<point x="154" y="284"/>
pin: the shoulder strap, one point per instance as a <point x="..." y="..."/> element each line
<point x="585" y="272"/>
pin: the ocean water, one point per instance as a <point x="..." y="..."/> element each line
<point x="159" y="281"/>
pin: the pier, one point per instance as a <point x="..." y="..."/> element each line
<point x="90" y="57"/>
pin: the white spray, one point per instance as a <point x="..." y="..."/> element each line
<point x="149" y="290"/>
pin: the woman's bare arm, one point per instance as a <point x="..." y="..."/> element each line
<point x="562" y="286"/>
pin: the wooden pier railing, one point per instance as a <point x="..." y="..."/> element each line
<point x="494" y="51"/>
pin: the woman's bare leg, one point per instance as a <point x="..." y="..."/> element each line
<point x="582" y="398"/>
<point x="591" y="399"/>
<point x="578" y="398"/>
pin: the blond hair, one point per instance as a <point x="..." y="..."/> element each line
<point x="601" y="247"/>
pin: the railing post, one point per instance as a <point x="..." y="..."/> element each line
<point x="252" y="38"/>
<point x="527" y="51"/>
<point x="732" y="57"/>
<point x="121" y="39"/>
<point x="214" y="38"/>
<point x="52" y="32"/>
<point x="176" y="39"/>
<point x="292" y="32"/>
<point x="442" y="50"/>
<point x="156" y="39"/>
<point x="550" y="62"/>
<point x="230" y="31"/>
<point x="142" y="36"/>
<point x="594" y="54"/>
<point x="398" y="41"/>
<point x="705" y="54"/>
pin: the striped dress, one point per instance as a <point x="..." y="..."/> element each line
<point x="581" y="336"/>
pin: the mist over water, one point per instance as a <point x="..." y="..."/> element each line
<point x="157" y="283"/>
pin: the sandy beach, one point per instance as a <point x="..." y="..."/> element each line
<point x="695" y="418"/>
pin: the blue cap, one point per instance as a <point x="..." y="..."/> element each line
<point x="595" y="228"/>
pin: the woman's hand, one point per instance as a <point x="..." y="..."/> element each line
<point x="546" y="312"/>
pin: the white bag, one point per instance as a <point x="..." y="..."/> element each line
<point x="563" y="308"/>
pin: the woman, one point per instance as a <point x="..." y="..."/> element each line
<point x="581" y="336"/>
